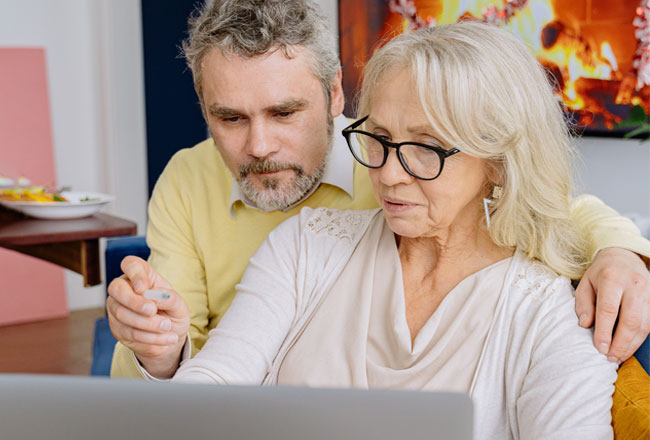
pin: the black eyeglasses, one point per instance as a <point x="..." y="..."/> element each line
<point x="422" y="161"/>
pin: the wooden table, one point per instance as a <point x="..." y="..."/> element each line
<point x="73" y="244"/>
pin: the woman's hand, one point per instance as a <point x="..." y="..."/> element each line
<point x="154" y="330"/>
<point x="616" y="285"/>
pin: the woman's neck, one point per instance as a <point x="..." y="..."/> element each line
<point x="461" y="249"/>
<point x="433" y="266"/>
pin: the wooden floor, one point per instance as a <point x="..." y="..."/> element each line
<point x="58" y="346"/>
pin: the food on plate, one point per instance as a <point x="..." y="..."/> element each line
<point x="31" y="194"/>
<point x="24" y="181"/>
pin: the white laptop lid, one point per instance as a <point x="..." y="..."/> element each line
<point x="39" y="407"/>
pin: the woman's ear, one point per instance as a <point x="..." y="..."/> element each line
<point x="495" y="173"/>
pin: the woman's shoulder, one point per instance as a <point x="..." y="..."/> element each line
<point x="329" y="224"/>
<point x="341" y="224"/>
<point x="534" y="280"/>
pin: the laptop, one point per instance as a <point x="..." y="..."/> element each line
<point x="39" y="407"/>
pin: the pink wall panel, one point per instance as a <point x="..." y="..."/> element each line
<point x="30" y="289"/>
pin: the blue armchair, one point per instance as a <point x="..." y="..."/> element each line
<point x="643" y="355"/>
<point x="104" y="342"/>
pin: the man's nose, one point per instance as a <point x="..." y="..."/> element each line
<point x="260" y="142"/>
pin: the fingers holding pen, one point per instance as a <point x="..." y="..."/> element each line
<point x="135" y="318"/>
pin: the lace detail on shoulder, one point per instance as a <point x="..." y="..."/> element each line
<point x="337" y="223"/>
<point x="533" y="279"/>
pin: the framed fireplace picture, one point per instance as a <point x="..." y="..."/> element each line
<point x="597" y="52"/>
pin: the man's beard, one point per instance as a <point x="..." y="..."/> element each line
<point x="273" y="197"/>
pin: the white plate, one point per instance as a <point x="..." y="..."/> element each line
<point x="6" y="182"/>
<point x="75" y="208"/>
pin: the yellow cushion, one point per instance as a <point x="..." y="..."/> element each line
<point x="631" y="407"/>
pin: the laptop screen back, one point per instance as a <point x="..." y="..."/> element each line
<point x="60" y="407"/>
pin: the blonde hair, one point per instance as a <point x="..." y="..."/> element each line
<point x="484" y="93"/>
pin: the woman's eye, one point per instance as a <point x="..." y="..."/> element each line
<point x="433" y="143"/>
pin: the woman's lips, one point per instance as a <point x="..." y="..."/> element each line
<point x="395" y="206"/>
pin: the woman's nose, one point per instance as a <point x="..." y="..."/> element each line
<point x="393" y="172"/>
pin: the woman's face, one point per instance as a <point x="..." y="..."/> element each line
<point x="414" y="207"/>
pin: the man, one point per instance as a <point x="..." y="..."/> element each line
<point x="269" y="81"/>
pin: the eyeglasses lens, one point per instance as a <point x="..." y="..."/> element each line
<point x="421" y="161"/>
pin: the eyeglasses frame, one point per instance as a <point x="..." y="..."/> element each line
<point x="442" y="153"/>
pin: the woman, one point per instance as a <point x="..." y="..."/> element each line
<point x="452" y="285"/>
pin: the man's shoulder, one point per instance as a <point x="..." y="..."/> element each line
<point x="203" y="153"/>
<point x="192" y="173"/>
<point x="199" y="164"/>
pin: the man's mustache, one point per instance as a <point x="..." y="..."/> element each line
<point x="267" y="166"/>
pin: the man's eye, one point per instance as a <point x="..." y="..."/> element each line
<point x="284" y="114"/>
<point x="232" y="119"/>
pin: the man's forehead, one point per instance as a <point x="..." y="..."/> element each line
<point x="244" y="85"/>
<point x="286" y="53"/>
<point x="273" y="70"/>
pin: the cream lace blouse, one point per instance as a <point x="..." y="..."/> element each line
<point x="321" y="304"/>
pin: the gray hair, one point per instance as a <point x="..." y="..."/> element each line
<point x="484" y="93"/>
<point x="249" y="28"/>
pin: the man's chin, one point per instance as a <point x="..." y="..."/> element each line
<point x="278" y="190"/>
<point x="272" y="200"/>
<point x="269" y="194"/>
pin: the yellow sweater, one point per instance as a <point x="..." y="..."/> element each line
<point x="202" y="250"/>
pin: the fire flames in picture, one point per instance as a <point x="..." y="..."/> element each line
<point x="597" y="50"/>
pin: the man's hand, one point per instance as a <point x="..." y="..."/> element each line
<point x="155" y="331"/>
<point x="616" y="278"/>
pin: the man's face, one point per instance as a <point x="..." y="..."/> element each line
<point x="270" y="120"/>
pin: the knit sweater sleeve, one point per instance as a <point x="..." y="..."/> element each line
<point x="603" y="227"/>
